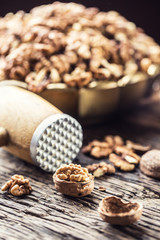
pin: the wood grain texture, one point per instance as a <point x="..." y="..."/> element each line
<point x="47" y="214"/>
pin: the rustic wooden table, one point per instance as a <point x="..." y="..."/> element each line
<point x="47" y="214"/>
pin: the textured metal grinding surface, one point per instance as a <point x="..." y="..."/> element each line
<point x="56" y="141"/>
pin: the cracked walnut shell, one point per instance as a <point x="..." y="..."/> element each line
<point x="73" y="180"/>
<point x="117" y="212"/>
<point x="17" y="186"/>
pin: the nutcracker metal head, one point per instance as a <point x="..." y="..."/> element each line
<point x="57" y="140"/>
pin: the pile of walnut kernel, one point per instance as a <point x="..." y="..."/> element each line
<point x="121" y="155"/>
<point x="72" y="44"/>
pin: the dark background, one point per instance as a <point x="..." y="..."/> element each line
<point x="145" y="13"/>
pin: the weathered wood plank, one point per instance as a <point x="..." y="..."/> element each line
<point x="47" y="214"/>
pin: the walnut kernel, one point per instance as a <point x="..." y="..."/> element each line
<point x="17" y="186"/>
<point x="137" y="147"/>
<point x="121" y="163"/>
<point x="101" y="169"/>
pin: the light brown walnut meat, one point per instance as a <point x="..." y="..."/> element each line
<point x="97" y="149"/>
<point x="77" y="78"/>
<point x="125" y="151"/>
<point x="121" y="163"/>
<point x="99" y="152"/>
<point x="101" y="169"/>
<point x="114" y="140"/>
<point x="17" y="186"/>
<point x="137" y="147"/>
<point x="73" y="172"/>
<point x="73" y="180"/>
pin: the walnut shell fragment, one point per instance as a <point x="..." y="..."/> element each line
<point x="73" y="180"/>
<point x="117" y="212"/>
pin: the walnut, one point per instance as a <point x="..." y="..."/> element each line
<point x="125" y="51"/>
<point x="102" y="73"/>
<point x="60" y="62"/>
<point x="95" y="143"/>
<point x="145" y="64"/>
<point x="101" y="169"/>
<point x="73" y="180"/>
<point x="124" y="150"/>
<point x="96" y="56"/>
<point x="97" y="149"/>
<point x="121" y="163"/>
<point x="114" y="140"/>
<point x="137" y="147"/>
<point x="37" y="82"/>
<point x="72" y="57"/>
<point x="84" y="52"/>
<point x="54" y="75"/>
<point x="41" y="34"/>
<point x="115" y="211"/>
<point x="150" y="163"/>
<point x="17" y="186"/>
<point x="77" y="78"/>
<point x="115" y="69"/>
<point x="131" y="67"/>
<point x="99" y="152"/>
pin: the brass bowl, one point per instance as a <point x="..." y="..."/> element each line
<point x="99" y="99"/>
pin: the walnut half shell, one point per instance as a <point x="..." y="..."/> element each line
<point x="114" y="211"/>
<point x="74" y="189"/>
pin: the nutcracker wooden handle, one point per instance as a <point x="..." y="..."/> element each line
<point x="21" y="112"/>
<point x="36" y="131"/>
